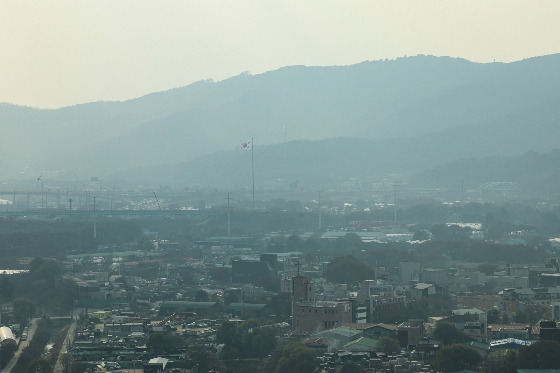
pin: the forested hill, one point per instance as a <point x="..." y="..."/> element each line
<point x="536" y="173"/>
<point x="428" y="108"/>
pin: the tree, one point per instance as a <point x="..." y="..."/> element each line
<point x="451" y="232"/>
<point x="351" y="367"/>
<point x="164" y="342"/>
<point x="421" y="236"/>
<point x="530" y="315"/>
<point x="448" y="334"/>
<point x="347" y="269"/>
<point x="44" y="269"/>
<point x="258" y="341"/>
<point x="201" y="296"/>
<point x="205" y="360"/>
<point x="39" y="366"/>
<point x="145" y="244"/>
<point x="457" y="357"/>
<point x="6" y="288"/>
<point x="501" y="361"/>
<point x="227" y="334"/>
<point x="6" y="354"/>
<point x="250" y="339"/>
<point x="78" y="367"/>
<point x="294" y="243"/>
<point x="493" y="316"/>
<point x="487" y="268"/>
<point x="498" y="226"/>
<point x="230" y="298"/>
<point x="24" y="309"/>
<point x="388" y="345"/>
<point x="541" y="355"/>
<point x="293" y="357"/>
<point x="350" y="242"/>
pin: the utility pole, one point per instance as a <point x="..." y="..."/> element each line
<point x="157" y="200"/>
<point x="395" y="199"/>
<point x="228" y="219"/>
<point x="253" y="169"/>
<point x="319" y="210"/>
<point x="285" y="151"/>
<point x="462" y="192"/>
<point x="94" y="222"/>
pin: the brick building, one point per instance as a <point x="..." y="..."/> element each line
<point x="312" y="316"/>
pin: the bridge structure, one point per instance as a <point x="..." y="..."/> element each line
<point x="61" y="212"/>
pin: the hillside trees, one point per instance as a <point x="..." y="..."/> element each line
<point x="347" y="269"/>
<point x="388" y="345"/>
<point x="541" y="355"/>
<point x="35" y="349"/>
<point x="39" y="365"/>
<point x="448" y="334"/>
<point x="24" y="309"/>
<point x="249" y="339"/>
<point x="293" y="357"/>
<point x="160" y="343"/>
<point x="451" y="232"/>
<point x="480" y="251"/>
<point x="44" y="286"/>
<point x="487" y="268"/>
<point x="351" y="367"/>
<point x="456" y="357"/>
<point x="502" y="361"/>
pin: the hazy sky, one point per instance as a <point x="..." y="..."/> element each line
<point x="62" y="52"/>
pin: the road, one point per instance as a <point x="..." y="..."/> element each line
<point x="22" y="345"/>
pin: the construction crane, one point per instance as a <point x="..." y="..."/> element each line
<point x="157" y="200"/>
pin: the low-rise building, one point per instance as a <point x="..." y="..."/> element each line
<point x="310" y="315"/>
<point x="423" y="290"/>
<point x="411" y="332"/>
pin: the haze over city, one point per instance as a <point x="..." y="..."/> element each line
<point x="279" y="186"/>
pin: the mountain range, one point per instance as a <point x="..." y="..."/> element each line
<point x="314" y="126"/>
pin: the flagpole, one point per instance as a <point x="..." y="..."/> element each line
<point x="253" y="169"/>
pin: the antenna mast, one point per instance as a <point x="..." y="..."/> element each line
<point x="157" y="200"/>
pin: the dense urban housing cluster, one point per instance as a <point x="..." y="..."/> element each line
<point x="341" y="285"/>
